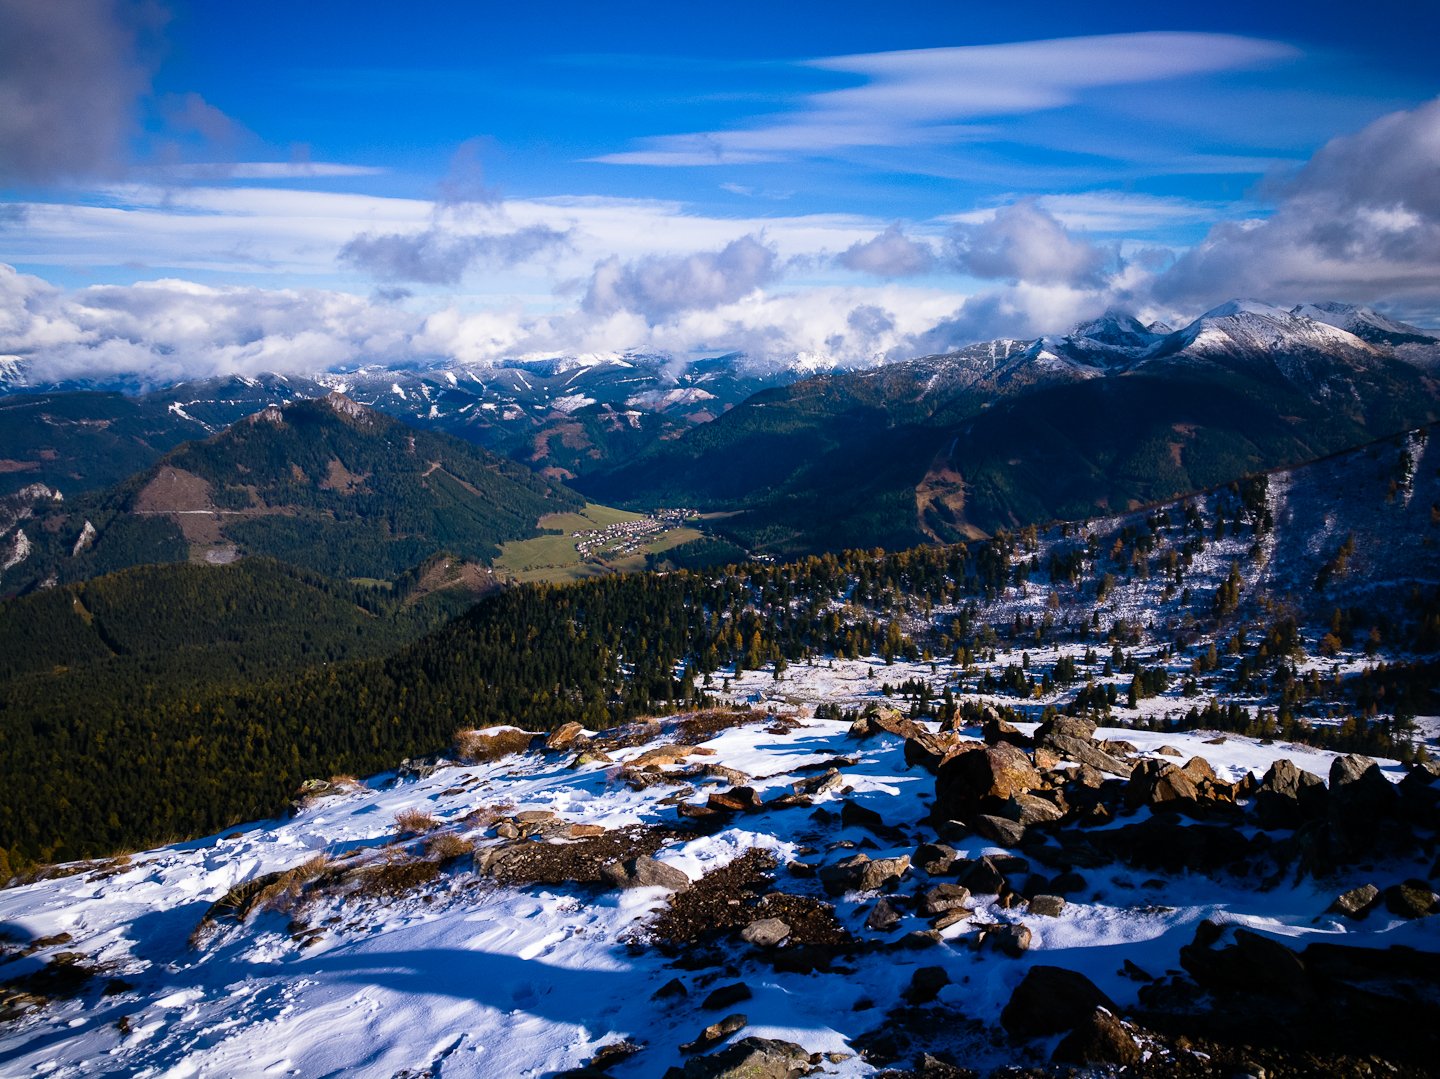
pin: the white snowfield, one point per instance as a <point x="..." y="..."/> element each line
<point x="465" y="977"/>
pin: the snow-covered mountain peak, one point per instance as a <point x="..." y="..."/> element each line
<point x="1236" y="308"/>
<point x="1115" y="328"/>
<point x="1248" y="327"/>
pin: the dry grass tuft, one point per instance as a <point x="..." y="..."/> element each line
<point x="415" y="822"/>
<point x="445" y="846"/>
<point x="491" y="745"/>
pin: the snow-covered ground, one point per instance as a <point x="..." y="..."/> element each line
<point x="464" y="976"/>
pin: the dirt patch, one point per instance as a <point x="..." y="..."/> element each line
<point x="575" y="862"/>
<point x="173" y="490"/>
<point x="703" y="726"/>
<point x="7" y="465"/>
<point x="449" y="573"/>
<point x="707" y="907"/>
<point x="810" y="920"/>
<point x="940" y="503"/>
<point x="340" y="479"/>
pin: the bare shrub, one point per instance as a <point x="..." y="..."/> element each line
<point x="415" y="822"/>
<point x="491" y="744"/>
<point x="445" y="846"/>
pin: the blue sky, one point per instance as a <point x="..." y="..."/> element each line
<point x="840" y="181"/>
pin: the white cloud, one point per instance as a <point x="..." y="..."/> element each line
<point x="1024" y="243"/>
<point x="1360" y="221"/>
<point x="940" y="95"/>
<point x="890" y="254"/>
<point x="440" y="256"/>
<point x="659" y="286"/>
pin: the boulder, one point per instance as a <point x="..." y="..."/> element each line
<point x="1360" y="798"/>
<point x="1051" y="1000"/>
<point x="1289" y="796"/>
<point x="860" y="873"/>
<point x="1082" y="751"/>
<point x="1100" y="1038"/>
<point x="751" y="1058"/>
<point x="1049" y="906"/>
<point x="1031" y="809"/>
<point x="984" y="877"/>
<point x="928" y="750"/>
<point x="1357" y="902"/>
<point x="944" y="897"/>
<point x="854" y="815"/>
<point x="726" y="995"/>
<point x="1198" y="768"/>
<point x="1410" y="899"/>
<point x="824" y="783"/>
<point x="564" y="736"/>
<point x="967" y="782"/>
<point x="645" y="872"/>
<point x="716" y="1033"/>
<point x="890" y="721"/>
<point x="1001" y="830"/>
<point x="937" y="859"/>
<point x="883" y="917"/>
<point x="1162" y="786"/>
<point x="925" y="985"/>
<point x="736" y="800"/>
<point x="1420" y="794"/>
<point x="765" y="932"/>
<point x="1065" y="727"/>
<point x="1012" y="940"/>
<point x="995" y="730"/>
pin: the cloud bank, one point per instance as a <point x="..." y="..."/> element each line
<point x="1361" y="221"/>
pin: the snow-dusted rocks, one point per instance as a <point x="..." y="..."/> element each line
<point x="340" y="942"/>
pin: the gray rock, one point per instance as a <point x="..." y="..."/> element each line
<point x="1100" y="1038"/>
<point x="1048" y="906"/>
<point x="751" y="1058"/>
<point x="859" y="873"/>
<point x="716" y="1033"/>
<point x="883" y="917"/>
<point x="937" y="859"/>
<point x="1030" y="809"/>
<point x="951" y="917"/>
<point x="925" y="984"/>
<point x="1006" y="832"/>
<point x="765" y="933"/>
<point x="1412" y="899"/>
<point x="645" y="872"/>
<point x="1011" y="940"/>
<point x="1357" y="902"/>
<point x="564" y="736"/>
<point x="726" y="995"/>
<point x="1050" y="1000"/>
<point x="943" y="898"/>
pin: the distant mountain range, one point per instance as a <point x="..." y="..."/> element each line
<point x="1112" y="416"/>
<point x="1115" y="414"/>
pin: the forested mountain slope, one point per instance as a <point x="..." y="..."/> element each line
<point x="1229" y="606"/>
<point x="325" y="484"/>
